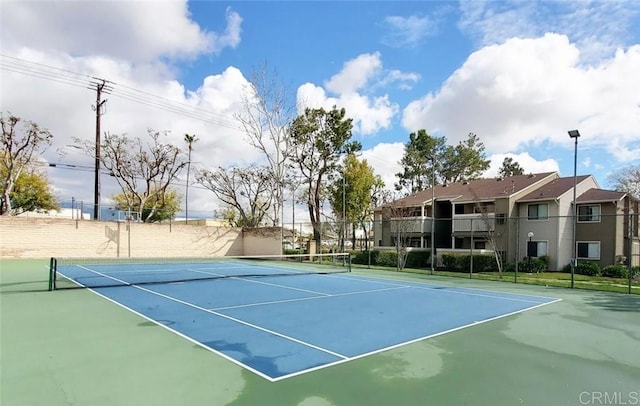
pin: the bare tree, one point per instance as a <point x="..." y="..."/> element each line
<point x="247" y="190"/>
<point x="144" y="171"/>
<point x="19" y="145"/>
<point x="265" y="120"/>
<point x="401" y="229"/>
<point x="627" y="180"/>
<point x="491" y="235"/>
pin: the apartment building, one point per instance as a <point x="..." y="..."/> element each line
<point x="518" y="216"/>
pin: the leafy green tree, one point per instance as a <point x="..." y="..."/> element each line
<point x="352" y="193"/>
<point x="510" y="168"/>
<point x="161" y="207"/>
<point x="19" y="143"/>
<point x="427" y="158"/>
<point x="32" y="192"/>
<point x="465" y="161"/>
<point x="627" y="180"/>
<point x="421" y="156"/>
<point x="318" y="139"/>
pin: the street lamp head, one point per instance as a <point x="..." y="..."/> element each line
<point x="574" y="133"/>
<point x="530" y="235"/>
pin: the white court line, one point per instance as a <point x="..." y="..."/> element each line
<point x="246" y="279"/>
<point x="478" y="294"/>
<point x="435" y="286"/>
<point x="311" y="298"/>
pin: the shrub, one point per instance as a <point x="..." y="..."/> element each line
<point x="615" y="271"/>
<point x="415" y="259"/>
<point x="362" y="257"/>
<point x="510" y="267"/>
<point x="588" y="268"/>
<point x="462" y="263"/>
<point x="452" y="262"/>
<point x="545" y="259"/>
<point x="532" y="265"/>
<point x="484" y="263"/>
<point x="387" y="258"/>
<point x="418" y="259"/>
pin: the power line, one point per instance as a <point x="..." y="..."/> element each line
<point x="67" y="77"/>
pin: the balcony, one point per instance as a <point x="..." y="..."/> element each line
<point x="473" y="222"/>
<point x="407" y="225"/>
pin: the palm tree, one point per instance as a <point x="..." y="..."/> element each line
<point x="189" y="139"/>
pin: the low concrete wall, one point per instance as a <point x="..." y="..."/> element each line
<point x="45" y="237"/>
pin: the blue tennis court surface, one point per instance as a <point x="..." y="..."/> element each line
<point x="282" y="326"/>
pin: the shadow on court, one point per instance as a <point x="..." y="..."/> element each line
<point x="615" y="302"/>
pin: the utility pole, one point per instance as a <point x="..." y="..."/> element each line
<point x="100" y="86"/>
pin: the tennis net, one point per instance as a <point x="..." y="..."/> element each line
<point x="68" y="273"/>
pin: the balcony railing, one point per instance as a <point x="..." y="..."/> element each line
<point x="410" y="224"/>
<point x="476" y="222"/>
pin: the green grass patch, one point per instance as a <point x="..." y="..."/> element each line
<point x="556" y="279"/>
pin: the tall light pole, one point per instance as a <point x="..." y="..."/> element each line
<point x="575" y="134"/>
<point x="189" y="139"/>
<point x="530" y="235"/>
<point x="344" y="203"/>
<point x="433" y="210"/>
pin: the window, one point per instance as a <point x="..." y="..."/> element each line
<point x="589" y="250"/>
<point x="536" y="248"/>
<point x="501" y="218"/>
<point x="479" y="245"/>
<point x="458" y="242"/>
<point x="589" y="213"/>
<point x="538" y="211"/>
<point x="459" y="209"/>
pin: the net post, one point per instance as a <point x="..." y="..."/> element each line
<point x="52" y="273"/>
<point x="349" y="262"/>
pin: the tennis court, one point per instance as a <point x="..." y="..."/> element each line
<point x="398" y="339"/>
<point x="280" y="318"/>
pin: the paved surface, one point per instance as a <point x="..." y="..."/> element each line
<point x="76" y="348"/>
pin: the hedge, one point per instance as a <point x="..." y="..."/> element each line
<point x="462" y="263"/>
<point x="415" y="259"/>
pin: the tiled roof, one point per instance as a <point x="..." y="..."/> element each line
<point x="477" y="190"/>
<point x="553" y="189"/>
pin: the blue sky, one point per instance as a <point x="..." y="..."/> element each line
<point x="520" y="74"/>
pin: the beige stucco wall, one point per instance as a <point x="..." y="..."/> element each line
<point x="43" y="238"/>
<point x="261" y="241"/>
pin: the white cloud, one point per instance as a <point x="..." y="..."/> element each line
<point x="384" y="158"/>
<point x="133" y="105"/>
<point x="526" y="162"/>
<point x="355" y="74"/>
<point x="526" y="91"/>
<point x="353" y="87"/>
<point x="407" y="31"/>
<point x="44" y="43"/>
<point x="588" y="24"/>
<point x="145" y="30"/>
<point x="369" y="114"/>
